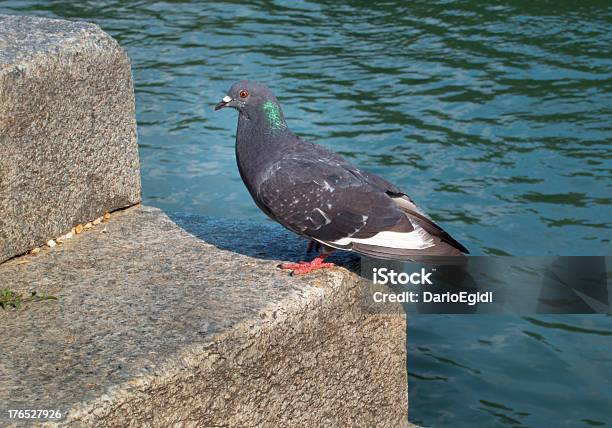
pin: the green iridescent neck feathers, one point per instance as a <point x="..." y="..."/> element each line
<point x="274" y="116"/>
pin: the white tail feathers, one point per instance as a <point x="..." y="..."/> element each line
<point x="418" y="239"/>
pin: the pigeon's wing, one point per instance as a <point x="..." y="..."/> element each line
<point x="335" y="207"/>
<point x="401" y="199"/>
<point x="333" y="158"/>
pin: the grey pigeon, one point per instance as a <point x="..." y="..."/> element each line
<point x="321" y="196"/>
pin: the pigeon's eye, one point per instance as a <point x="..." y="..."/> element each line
<point x="243" y="94"/>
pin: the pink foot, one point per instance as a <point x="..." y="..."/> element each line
<point x="302" y="268"/>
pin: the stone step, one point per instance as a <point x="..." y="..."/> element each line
<point x="68" y="149"/>
<point x="183" y="320"/>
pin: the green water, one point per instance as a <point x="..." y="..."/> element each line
<point x="497" y="119"/>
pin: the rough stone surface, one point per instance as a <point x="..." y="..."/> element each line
<point x="158" y="325"/>
<point x="68" y="150"/>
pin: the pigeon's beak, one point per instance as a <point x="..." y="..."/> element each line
<point x="223" y="103"/>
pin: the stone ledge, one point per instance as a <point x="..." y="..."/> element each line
<point x="68" y="150"/>
<point x="158" y="326"/>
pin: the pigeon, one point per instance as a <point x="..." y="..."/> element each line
<point x="319" y="195"/>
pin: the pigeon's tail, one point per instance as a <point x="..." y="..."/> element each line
<point x="420" y="238"/>
<point x="416" y="216"/>
<point x="440" y="249"/>
<point x="407" y="240"/>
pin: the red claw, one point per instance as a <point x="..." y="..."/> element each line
<point x="302" y="268"/>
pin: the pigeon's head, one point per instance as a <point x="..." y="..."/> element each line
<point x="254" y="99"/>
<point x="246" y="95"/>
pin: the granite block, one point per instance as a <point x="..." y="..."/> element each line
<point x="68" y="148"/>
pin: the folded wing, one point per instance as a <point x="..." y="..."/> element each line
<point x="344" y="208"/>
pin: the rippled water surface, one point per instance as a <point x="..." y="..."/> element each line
<point x="497" y="119"/>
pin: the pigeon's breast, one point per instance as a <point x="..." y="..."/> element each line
<point x="255" y="165"/>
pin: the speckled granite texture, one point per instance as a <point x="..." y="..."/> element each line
<point x="68" y="150"/>
<point x="159" y="325"/>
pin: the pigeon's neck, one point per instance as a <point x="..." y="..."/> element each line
<point x="261" y="138"/>
<point x="262" y="130"/>
<point x="266" y="119"/>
